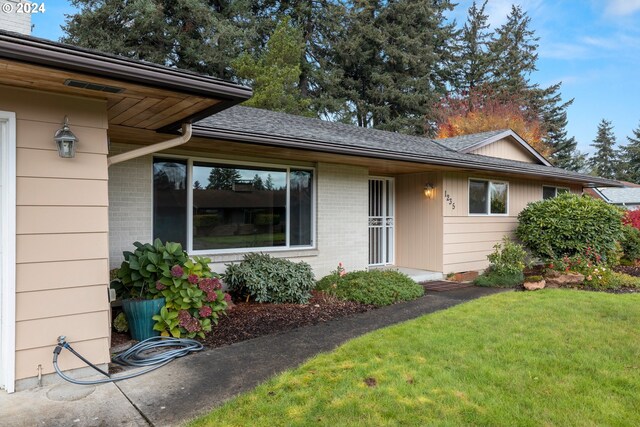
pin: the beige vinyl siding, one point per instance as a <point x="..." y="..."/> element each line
<point x="418" y="222"/>
<point x="62" y="231"/>
<point x="506" y="149"/>
<point x="468" y="239"/>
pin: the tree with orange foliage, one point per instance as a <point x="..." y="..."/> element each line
<point x="483" y="110"/>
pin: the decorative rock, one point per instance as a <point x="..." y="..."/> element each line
<point x="533" y="286"/>
<point x="563" y="280"/>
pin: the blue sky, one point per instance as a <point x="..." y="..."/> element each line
<point x="592" y="46"/>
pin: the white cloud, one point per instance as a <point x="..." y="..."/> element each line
<point x="622" y="7"/>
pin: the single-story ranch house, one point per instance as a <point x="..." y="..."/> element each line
<point x="162" y="152"/>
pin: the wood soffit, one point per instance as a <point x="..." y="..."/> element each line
<point x="137" y="106"/>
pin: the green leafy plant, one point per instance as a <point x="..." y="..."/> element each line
<point x="331" y="280"/>
<point x="492" y="278"/>
<point x="267" y="279"/>
<point x="507" y="263"/>
<point x="194" y="299"/>
<point x="531" y="279"/>
<point x="507" y="257"/>
<point x="142" y="268"/>
<point x="120" y="323"/>
<point x="630" y="243"/>
<point x="193" y="293"/>
<point x="376" y="287"/>
<point x="568" y="224"/>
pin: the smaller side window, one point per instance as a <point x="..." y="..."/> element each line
<point x="549" y="192"/>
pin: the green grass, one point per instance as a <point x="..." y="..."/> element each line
<point x="553" y="357"/>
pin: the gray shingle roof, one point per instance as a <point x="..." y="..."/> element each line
<point x="627" y="196"/>
<point x="461" y="143"/>
<point x="265" y="127"/>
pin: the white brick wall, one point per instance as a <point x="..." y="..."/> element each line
<point x="11" y="20"/>
<point x="342" y="215"/>
<point x="130" y="203"/>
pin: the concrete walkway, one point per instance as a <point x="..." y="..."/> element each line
<point x="194" y="385"/>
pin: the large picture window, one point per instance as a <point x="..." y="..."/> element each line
<point x="488" y="197"/>
<point x="236" y="207"/>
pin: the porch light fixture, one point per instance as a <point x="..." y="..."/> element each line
<point x="429" y="190"/>
<point x="65" y="140"/>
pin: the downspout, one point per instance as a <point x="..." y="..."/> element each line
<point x="150" y="149"/>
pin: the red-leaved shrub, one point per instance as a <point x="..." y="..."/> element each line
<point x="632" y="218"/>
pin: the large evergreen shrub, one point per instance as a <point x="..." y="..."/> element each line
<point x="268" y="279"/>
<point x="376" y="287"/>
<point x="568" y="225"/>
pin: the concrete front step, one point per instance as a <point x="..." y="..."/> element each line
<point x="417" y="275"/>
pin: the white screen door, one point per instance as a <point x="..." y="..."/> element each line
<point x="381" y="211"/>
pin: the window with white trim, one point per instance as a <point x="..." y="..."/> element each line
<point x="230" y="207"/>
<point x="488" y="197"/>
<point x="549" y="192"/>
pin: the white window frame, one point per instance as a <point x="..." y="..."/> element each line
<point x="556" y="188"/>
<point x="221" y="161"/>
<point x="496" y="181"/>
<point x="8" y="260"/>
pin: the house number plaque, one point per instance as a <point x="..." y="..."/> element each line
<point x="449" y="200"/>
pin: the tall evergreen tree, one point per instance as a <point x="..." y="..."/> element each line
<point x="474" y="58"/>
<point x="274" y="75"/>
<point x="514" y="53"/>
<point x="630" y="157"/>
<point x="199" y="35"/>
<point x="604" y="161"/>
<point x="387" y="61"/>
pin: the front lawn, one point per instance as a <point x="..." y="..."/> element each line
<point x="553" y="357"/>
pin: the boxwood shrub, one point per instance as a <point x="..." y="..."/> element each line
<point x="568" y="225"/>
<point x="376" y="287"/>
<point x="268" y="279"/>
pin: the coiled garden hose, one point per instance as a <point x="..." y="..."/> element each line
<point x="133" y="357"/>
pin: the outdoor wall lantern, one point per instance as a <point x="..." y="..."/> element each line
<point x="429" y="190"/>
<point x="65" y="140"/>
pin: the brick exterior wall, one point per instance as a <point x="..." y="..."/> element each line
<point x="14" y="21"/>
<point x="130" y="203"/>
<point x="341" y="222"/>
<point x="343" y="215"/>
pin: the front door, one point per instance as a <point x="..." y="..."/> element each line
<point x="381" y="210"/>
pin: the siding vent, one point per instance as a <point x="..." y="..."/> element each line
<point x="93" y="86"/>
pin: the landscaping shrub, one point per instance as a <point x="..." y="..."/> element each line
<point x="268" y="279"/>
<point x="568" y="224"/>
<point x="376" y="287"/>
<point x="507" y="257"/>
<point x="507" y="262"/>
<point x="632" y="218"/>
<point x="192" y="292"/>
<point x="630" y="242"/>
<point x="492" y="278"/>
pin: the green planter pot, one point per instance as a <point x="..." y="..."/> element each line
<point x="139" y="316"/>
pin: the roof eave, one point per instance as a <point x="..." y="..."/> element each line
<point x="335" y="148"/>
<point x="515" y="136"/>
<point x="65" y="57"/>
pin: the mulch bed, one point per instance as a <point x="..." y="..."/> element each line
<point x="247" y="320"/>
<point x="631" y="270"/>
<point x="251" y="320"/>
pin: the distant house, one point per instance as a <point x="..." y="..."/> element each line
<point x="164" y="153"/>
<point x="626" y="197"/>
